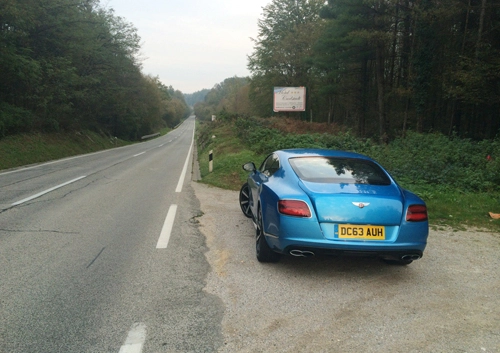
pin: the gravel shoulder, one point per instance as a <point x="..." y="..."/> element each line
<point x="449" y="301"/>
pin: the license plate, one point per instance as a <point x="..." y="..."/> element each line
<point x="347" y="231"/>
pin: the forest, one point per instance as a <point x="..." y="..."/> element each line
<point x="379" y="68"/>
<point x="70" y="65"/>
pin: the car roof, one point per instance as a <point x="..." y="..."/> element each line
<point x="315" y="152"/>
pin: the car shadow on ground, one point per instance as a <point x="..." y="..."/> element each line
<point x="324" y="267"/>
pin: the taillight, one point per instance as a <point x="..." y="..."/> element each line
<point x="416" y="213"/>
<point x="294" y="208"/>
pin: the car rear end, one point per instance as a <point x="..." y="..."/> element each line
<point x="351" y="206"/>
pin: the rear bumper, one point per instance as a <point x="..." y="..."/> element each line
<point x="381" y="249"/>
<point x="413" y="254"/>
<point x="308" y="235"/>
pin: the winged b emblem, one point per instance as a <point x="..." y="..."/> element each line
<point x="361" y="204"/>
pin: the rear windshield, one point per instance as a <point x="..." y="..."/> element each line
<point x="339" y="170"/>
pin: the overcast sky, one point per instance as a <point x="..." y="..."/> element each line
<point x="193" y="44"/>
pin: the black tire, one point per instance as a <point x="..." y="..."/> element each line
<point x="263" y="251"/>
<point x="245" y="200"/>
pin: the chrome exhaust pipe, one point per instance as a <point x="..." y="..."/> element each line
<point x="301" y="253"/>
<point x="412" y="257"/>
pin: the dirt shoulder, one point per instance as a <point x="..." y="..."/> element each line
<point x="446" y="302"/>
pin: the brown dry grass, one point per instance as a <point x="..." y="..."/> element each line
<point x="295" y="126"/>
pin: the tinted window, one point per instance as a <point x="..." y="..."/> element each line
<point x="270" y="165"/>
<point x="339" y="171"/>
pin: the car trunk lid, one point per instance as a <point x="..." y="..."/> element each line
<point x="355" y="203"/>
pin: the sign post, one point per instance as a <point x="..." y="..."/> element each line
<point x="210" y="161"/>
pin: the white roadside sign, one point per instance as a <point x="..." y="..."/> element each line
<point x="289" y="99"/>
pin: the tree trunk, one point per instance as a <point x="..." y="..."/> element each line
<point x="365" y="84"/>
<point x="466" y="27"/>
<point x="405" y="120"/>
<point x="394" y="48"/>
<point x="380" y="92"/>
<point x="331" y="102"/>
<point x="481" y="26"/>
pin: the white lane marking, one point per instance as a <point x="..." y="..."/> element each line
<point x="138" y="154"/>
<point x="160" y="145"/>
<point x="167" y="228"/>
<point x="135" y="339"/>
<point x="46" y="191"/>
<point x="183" y="174"/>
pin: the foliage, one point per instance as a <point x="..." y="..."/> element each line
<point x="287" y="32"/>
<point x="441" y="161"/>
<point x="432" y="159"/>
<point x="28" y="148"/>
<point x="228" y="153"/>
<point x="384" y="67"/>
<point x="462" y="197"/>
<point x="14" y="119"/>
<point x="174" y="106"/>
<point x="196" y="97"/>
<point x="227" y="97"/>
<point x="70" y="65"/>
<point x="260" y="136"/>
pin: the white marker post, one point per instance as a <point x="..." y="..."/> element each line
<point x="210" y="161"/>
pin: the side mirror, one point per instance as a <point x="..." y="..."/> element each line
<point x="249" y="167"/>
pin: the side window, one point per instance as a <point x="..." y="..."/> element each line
<point x="270" y="165"/>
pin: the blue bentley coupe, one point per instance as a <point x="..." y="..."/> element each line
<point x="310" y="201"/>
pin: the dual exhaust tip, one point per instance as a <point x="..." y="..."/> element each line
<point x="301" y="253"/>
<point x="412" y="257"/>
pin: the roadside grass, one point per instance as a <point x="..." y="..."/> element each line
<point x="227" y="168"/>
<point x="448" y="207"/>
<point x="26" y="149"/>
<point x="165" y="131"/>
<point x="228" y="157"/>
<point x="459" y="210"/>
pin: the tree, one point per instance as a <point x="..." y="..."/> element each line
<point x="193" y="98"/>
<point x="229" y="96"/>
<point x="68" y="65"/>
<point x="281" y="57"/>
<point x="174" y="106"/>
<point x="425" y="65"/>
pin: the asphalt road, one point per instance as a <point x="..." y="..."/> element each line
<point x="102" y="253"/>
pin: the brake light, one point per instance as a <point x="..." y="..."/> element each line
<point x="416" y="213"/>
<point x="294" y="208"/>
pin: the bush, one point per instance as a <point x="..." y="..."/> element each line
<point x="259" y="136"/>
<point x="439" y="160"/>
<point x="14" y="120"/>
<point x="455" y="178"/>
<point x="418" y="159"/>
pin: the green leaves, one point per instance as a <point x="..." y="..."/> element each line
<point x="382" y="67"/>
<point x="73" y="65"/>
<point x="229" y="97"/>
<point x="418" y="159"/>
<point x="287" y="31"/>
